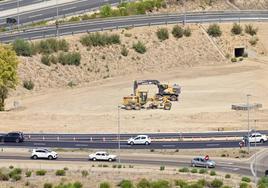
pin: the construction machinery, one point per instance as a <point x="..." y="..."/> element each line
<point x="164" y="90"/>
<point x="141" y="100"/>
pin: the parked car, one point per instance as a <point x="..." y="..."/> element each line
<point x="140" y="139"/>
<point x="203" y="162"/>
<point x="44" y="154"/>
<point x="12" y="137"/>
<point x="102" y="156"/>
<point x="255" y="137"/>
<point x="266" y="173"/>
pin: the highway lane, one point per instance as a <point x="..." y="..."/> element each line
<point x="123" y="22"/>
<point x="63" y="11"/>
<point x="114" y="145"/>
<point x="11" y="4"/>
<point x="224" y="166"/>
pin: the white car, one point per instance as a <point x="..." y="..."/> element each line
<point x="255" y="137"/>
<point x="140" y="139"/>
<point x="102" y="156"/>
<point x="44" y="154"/>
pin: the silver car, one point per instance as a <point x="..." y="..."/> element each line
<point x="202" y="162"/>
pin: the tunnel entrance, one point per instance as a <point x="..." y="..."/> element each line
<point x="239" y="52"/>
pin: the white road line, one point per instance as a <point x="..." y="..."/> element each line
<point x="169" y="145"/>
<point x="230" y="168"/>
<point x="39" y="144"/>
<point x="225" y="163"/>
<point x="69" y="8"/>
<point x="35" y="16"/>
<point x="81" y="145"/>
<point x="210" y="145"/>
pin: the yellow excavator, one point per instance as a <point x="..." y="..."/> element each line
<point x="141" y="100"/>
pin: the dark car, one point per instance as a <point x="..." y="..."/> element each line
<point x="266" y="172"/>
<point x="12" y="137"/>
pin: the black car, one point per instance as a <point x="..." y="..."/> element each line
<point x="266" y="172"/>
<point x="12" y="137"/>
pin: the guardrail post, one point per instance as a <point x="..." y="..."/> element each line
<point x="29" y="137"/>
<point x="74" y="138"/>
<point x="43" y="138"/>
<point x="58" y="138"/>
<point x="103" y="139"/>
<point x="91" y="139"/>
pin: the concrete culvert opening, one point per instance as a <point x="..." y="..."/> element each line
<point x="239" y="52"/>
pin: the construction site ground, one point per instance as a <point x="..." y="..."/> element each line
<point x="209" y="88"/>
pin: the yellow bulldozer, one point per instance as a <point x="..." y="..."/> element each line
<point x="141" y="100"/>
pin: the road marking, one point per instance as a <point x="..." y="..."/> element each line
<point x="81" y="144"/>
<point x="68" y="8"/>
<point x="225" y="163"/>
<point x="168" y="145"/>
<point x="210" y="145"/>
<point x="35" y="16"/>
<point x="230" y="168"/>
<point x="39" y="144"/>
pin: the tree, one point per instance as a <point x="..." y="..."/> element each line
<point x="8" y="72"/>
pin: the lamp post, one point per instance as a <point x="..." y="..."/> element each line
<point x="118" y="126"/>
<point x="18" y="11"/>
<point x="57" y="23"/>
<point x="248" y="95"/>
<point x="255" y="156"/>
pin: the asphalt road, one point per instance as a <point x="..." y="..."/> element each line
<point x="11" y="4"/>
<point x="63" y="10"/>
<point x="111" y="137"/>
<point x="123" y="22"/>
<point x="123" y="145"/>
<point x="224" y="166"/>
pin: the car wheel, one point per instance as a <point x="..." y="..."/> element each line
<point x="193" y="165"/>
<point x="110" y="160"/>
<point x="147" y="143"/>
<point x="173" y="98"/>
<point x="35" y="157"/>
<point x="132" y="143"/>
<point x="94" y="159"/>
<point x="17" y="140"/>
<point x="262" y="141"/>
<point x="50" y="157"/>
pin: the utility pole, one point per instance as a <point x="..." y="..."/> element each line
<point x="18" y="11"/>
<point x="248" y="95"/>
<point x="255" y="156"/>
<point x="57" y="22"/>
<point x="118" y="126"/>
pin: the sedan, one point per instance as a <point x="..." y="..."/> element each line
<point x="202" y="162"/>
<point x="102" y="156"/>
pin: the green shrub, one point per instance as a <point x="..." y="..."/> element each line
<point x="14" y="172"/>
<point x="128" y="34"/>
<point x="203" y="171"/>
<point x="22" y="47"/>
<point x="49" y="46"/>
<point x="249" y="29"/>
<point x="4" y="177"/>
<point x="214" y="30"/>
<point x="69" y="58"/>
<point x="40" y="172"/>
<point x="177" y="31"/>
<point x="195" y="185"/>
<point x="77" y="184"/>
<point x="84" y="173"/>
<point x="16" y="177"/>
<point x="263" y="182"/>
<point x="162" y="34"/>
<point x="202" y="182"/>
<point x="243" y="185"/>
<point x="11" y="167"/>
<point x="160" y="184"/>
<point x="97" y="39"/>
<point x="48" y="185"/>
<point x="234" y="59"/>
<point x="105" y="185"/>
<point x="28" y="174"/>
<point x="63" y="45"/>
<point x="236" y="29"/>
<point x="106" y="11"/>
<point x="162" y="168"/>
<point x="27" y="183"/>
<point x="60" y="173"/>
<point x="126" y="184"/>
<point x="187" y="32"/>
<point x="139" y="47"/>
<point x="53" y="59"/>
<point x="184" y="169"/>
<point x="227" y="176"/>
<point x="181" y="183"/>
<point x="240" y="58"/>
<point x="28" y="84"/>
<point x="253" y="41"/>
<point x="194" y="170"/>
<point x="45" y="60"/>
<point x="119" y="166"/>
<point x="246" y="179"/>
<point x="124" y="51"/>
<point x="212" y="173"/>
<point x="74" y="19"/>
<point x="143" y="183"/>
<point x="216" y="183"/>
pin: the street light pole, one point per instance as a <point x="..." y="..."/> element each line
<point x="255" y="156"/>
<point x="118" y="125"/>
<point x="18" y="11"/>
<point x="248" y="95"/>
<point x="57" y="23"/>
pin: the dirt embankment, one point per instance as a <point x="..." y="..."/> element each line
<point x="251" y="4"/>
